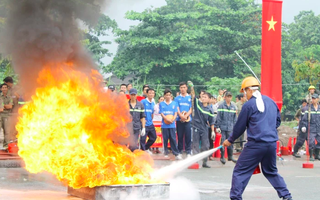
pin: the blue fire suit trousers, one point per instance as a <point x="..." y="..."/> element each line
<point x="253" y="154"/>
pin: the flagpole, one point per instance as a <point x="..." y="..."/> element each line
<point x="248" y="66"/>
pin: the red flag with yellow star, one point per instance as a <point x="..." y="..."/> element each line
<point x="271" y="82"/>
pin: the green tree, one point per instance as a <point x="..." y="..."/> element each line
<point x="190" y="40"/>
<point x="309" y="68"/>
<point x="92" y="42"/>
<point x="300" y="49"/>
<point x="230" y="84"/>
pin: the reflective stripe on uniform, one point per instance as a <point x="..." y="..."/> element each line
<point x="226" y="110"/>
<point x="205" y="112"/>
<point x="136" y="110"/>
<point x="313" y="112"/>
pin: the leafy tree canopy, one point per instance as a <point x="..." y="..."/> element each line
<point x="300" y="53"/>
<point x="190" y="40"/>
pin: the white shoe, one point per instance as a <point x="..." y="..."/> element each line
<point x="166" y="156"/>
<point x="149" y="152"/>
<point x="179" y="157"/>
<point x="189" y="155"/>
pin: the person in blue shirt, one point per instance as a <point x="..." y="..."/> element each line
<point x="150" y="129"/>
<point x="261" y="117"/>
<point x="168" y="111"/>
<point x="184" y="119"/>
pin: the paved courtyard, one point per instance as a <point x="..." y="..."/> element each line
<point x="193" y="184"/>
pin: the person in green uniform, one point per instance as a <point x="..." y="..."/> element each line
<point x="7" y="104"/>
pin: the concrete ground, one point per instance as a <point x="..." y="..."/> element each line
<point x="213" y="183"/>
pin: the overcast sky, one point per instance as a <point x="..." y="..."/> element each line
<point x="117" y="9"/>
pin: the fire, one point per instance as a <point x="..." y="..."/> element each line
<point x="70" y="128"/>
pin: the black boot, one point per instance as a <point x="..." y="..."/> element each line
<point x="311" y="155"/>
<point x="222" y="159"/>
<point x="290" y="198"/>
<point x="316" y="154"/>
<point x="230" y="155"/>
<point x="204" y="164"/>
<point x="295" y="152"/>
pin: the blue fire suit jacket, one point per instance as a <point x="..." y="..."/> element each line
<point x="314" y="119"/>
<point x="226" y="117"/>
<point x="261" y="127"/>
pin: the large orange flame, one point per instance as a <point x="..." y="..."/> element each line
<point x="70" y="127"/>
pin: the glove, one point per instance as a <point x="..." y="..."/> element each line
<point x="303" y="129"/>
<point x="218" y="130"/>
<point x="143" y="132"/>
<point x="190" y="84"/>
<point x="213" y="135"/>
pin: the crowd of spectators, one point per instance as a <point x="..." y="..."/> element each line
<point x="179" y="127"/>
<point x="186" y="129"/>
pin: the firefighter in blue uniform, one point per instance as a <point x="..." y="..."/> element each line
<point x="138" y="119"/>
<point x="226" y="119"/>
<point x="301" y="136"/>
<point x="261" y="117"/>
<point x="314" y="133"/>
<point x="203" y="119"/>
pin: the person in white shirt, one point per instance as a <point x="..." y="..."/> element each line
<point x="156" y="116"/>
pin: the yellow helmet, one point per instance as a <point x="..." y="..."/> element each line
<point x="249" y="82"/>
<point x="311" y="87"/>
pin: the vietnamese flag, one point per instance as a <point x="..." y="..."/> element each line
<point x="271" y="82"/>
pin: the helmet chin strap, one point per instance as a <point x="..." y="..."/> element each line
<point x="244" y="91"/>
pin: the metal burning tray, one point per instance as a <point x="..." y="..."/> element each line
<point x="118" y="192"/>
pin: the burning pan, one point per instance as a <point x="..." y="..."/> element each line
<point x="118" y="192"/>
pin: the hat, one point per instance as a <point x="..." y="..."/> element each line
<point x="315" y="96"/>
<point x="111" y="87"/>
<point x="133" y="91"/>
<point x="214" y="96"/>
<point x="228" y="94"/>
<point x="311" y="87"/>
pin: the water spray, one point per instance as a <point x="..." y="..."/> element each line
<point x="169" y="171"/>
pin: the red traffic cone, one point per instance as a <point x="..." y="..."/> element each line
<point x="257" y="170"/>
<point x="13" y="147"/>
<point x="307" y="165"/>
<point x="284" y="151"/>
<point x="289" y="146"/>
<point x="194" y="166"/>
